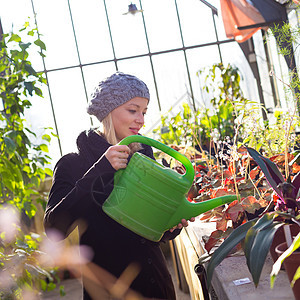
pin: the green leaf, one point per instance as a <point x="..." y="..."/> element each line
<point x="2" y="67"/>
<point x="42" y="54"/>
<point x="62" y="290"/>
<point x="30" y="209"/>
<point x="224" y="249"/>
<point x="41" y="44"/>
<point x="29" y="87"/>
<point x="44" y="148"/>
<point x="296" y="277"/>
<point x="47" y="138"/>
<point x="43" y="284"/>
<point x="51" y="286"/>
<point x="38" y="91"/>
<point x="14" y="38"/>
<point x="261" y="243"/>
<point x="24" y="46"/>
<point x="48" y="171"/>
<point x="30" y="69"/>
<point x="31" y="33"/>
<point x="10" y="145"/>
<point x="8" y="180"/>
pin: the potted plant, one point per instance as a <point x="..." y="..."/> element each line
<point x="257" y="234"/>
<point x="290" y="257"/>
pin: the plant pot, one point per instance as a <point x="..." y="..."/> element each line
<point x="279" y="238"/>
<point x="291" y="265"/>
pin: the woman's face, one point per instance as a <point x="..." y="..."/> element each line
<point x="128" y="118"/>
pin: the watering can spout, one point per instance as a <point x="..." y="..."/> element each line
<point x="189" y="209"/>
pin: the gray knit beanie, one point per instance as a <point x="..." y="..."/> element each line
<point x="115" y="91"/>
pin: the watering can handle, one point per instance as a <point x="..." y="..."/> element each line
<point x="189" y="174"/>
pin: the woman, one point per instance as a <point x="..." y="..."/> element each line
<point x="82" y="182"/>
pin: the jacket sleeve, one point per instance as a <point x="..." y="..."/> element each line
<point x="70" y="198"/>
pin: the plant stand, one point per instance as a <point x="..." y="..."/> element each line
<point x="232" y="269"/>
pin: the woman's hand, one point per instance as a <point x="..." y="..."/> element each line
<point x="118" y="156"/>
<point x="184" y="223"/>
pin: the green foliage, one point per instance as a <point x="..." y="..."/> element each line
<point x="209" y="123"/>
<point x="287" y="37"/>
<point x="273" y="136"/>
<point x="23" y="167"/>
<point x="227" y="102"/>
<point x="257" y="235"/>
<point x="179" y="129"/>
<point x="22" y="162"/>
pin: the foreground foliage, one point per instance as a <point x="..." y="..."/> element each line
<point x="23" y="167"/>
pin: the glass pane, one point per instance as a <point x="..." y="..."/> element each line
<point x="141" y="68"/>
<point x="196" y="22"/>
<point x="219" y="20"/>
<point x="127" y="30"/>
<point x="198" y="59"/>
<point x="69" y="103"/>
<point x="162" y="25"/>
<point x="232" y="53"/>
<point x="281" y="73"/>
<point x="54" y="24"/>
<point x="92" y="32"/>
<point x="14" y="13"/>
<point x="263" y="70"/>
<point x="93" y="74"/>
<point x="39" y="117"/>
<point x="14" y="19"/>
<point x="172" y="80"/>
<point x="219" y="24"/>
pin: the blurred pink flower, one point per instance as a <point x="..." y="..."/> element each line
<point x="9" y="223"/>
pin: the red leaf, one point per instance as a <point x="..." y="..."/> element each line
<point x="222" y="224"/>
<point x="233" y="210"/>
<point x="253" y="173"/>
<point x="221" y="192"/>
<point x="296" y="168"/>
<point x="228" y="181"/>
<point x="206" y="216"/>
<point x="213" y="239"/>
<point x="250" y="204"/>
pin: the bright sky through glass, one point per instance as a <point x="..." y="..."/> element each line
<point x="94" y="45"/>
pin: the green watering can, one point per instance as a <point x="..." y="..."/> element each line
<point x="149" y="198"/>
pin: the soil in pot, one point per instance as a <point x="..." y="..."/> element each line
<point x="291" y="265"/>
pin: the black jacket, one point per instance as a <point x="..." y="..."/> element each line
<point x="81" y="183"/>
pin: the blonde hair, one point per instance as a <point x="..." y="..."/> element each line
<point x="110" y="134"/>
<point x="109" y="130"/>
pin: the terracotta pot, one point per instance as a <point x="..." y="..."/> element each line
<point x="279" y="238"/>
<point x="291" y="265"/>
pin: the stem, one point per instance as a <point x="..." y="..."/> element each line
<point x="288" y="235"/>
